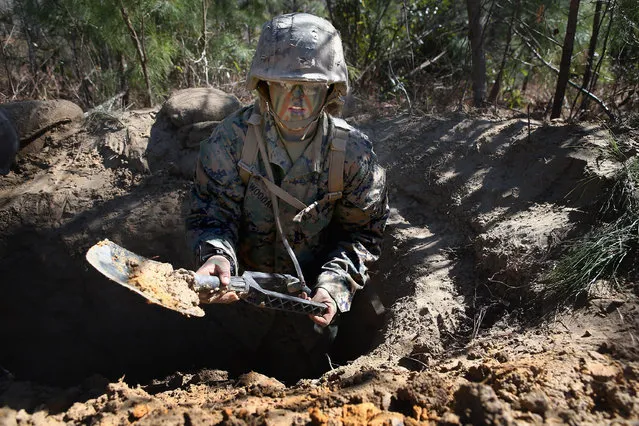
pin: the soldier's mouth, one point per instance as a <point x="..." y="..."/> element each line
<point x="296" y="110"/>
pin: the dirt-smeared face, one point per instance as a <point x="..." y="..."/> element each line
<point x="297" y="101"/>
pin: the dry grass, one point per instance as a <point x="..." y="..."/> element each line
<point x="608" y="251"/>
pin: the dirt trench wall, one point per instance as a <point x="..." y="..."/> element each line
<point x="124" y="178"/>
<point x="67" y="321"/>
<point x="447" y="178"/>
<point x="479" y="206"/>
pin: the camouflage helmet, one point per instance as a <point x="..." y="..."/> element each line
<point x="299" y="47"/>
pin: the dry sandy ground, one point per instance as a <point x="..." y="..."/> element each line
<point x="479" y="206"/>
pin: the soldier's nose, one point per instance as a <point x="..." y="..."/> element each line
<point x="298" y="91"/>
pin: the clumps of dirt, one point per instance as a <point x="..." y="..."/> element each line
<point x="170" y="288"/>
<point x="158" y="282"/>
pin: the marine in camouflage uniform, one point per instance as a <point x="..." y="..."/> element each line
<point x="335" y="239"/>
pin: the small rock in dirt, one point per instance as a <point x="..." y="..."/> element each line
<point x="474" y="355"/>
<point x="587" y="334"/>
<point x="173" y="381"/>
<point x="367" y="413"/>
<point x="600" y="372"/>
<point x="207" y="376"/>
<point x="507" y="396"/>
<point x="477" y="403"/>
<point x="531" y="418"/>
<point x="139" y="411"/>
<point x="256" y="379"/>
<point x="535" y="402"/>
<point x="449" y="419"/>
<point x="424" y="390"/>
<point x="502" y="357"/>
<point x="79" y="411"/>
<point x="613" y="305"/>
<point x="478" y="373"/>
<point x="196" y="105"/>
<point x="260" y="385"/>
<point x="317" y="416"/>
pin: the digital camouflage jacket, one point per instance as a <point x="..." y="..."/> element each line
<point x="335" y="241"/>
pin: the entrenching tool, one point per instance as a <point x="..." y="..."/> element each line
<point x="178" y="289"/>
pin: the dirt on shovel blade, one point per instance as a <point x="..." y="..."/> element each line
<point x="160" y="283"/>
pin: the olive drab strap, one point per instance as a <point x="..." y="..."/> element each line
<point x="248" y="160"/>
<point x="276" y="210"/>
<point x="336" y="160"/>
<point x="254" y="143"/>
<point x="337" y="157"/>
<point x="249" y="150"/>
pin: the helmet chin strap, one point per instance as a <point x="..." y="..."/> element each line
<point x="305" y="124"/>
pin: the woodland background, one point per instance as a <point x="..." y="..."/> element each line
<point x="559" y="58"/>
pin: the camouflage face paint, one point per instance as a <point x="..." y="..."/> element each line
<point x="297" y="101"/>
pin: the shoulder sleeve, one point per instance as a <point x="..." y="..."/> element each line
<point x="217" y="192"/>
<point x="361" y="215"/>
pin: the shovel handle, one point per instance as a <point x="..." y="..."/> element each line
<point x="211" y="283"/>
<point x="257" y="296"/>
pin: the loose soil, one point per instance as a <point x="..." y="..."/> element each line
<point x="156" y="281"/>
<point x="480" y="206"/>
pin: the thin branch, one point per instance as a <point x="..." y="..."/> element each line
<point x="427" y="63"/>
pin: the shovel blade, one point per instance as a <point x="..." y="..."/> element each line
<point x="123" y="267"/>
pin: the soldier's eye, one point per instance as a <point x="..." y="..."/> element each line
<point x="310" y="89"/>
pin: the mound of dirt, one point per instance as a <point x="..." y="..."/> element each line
<point x="479" y="204"/>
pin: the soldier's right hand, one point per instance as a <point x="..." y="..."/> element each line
<point x="221" y="268"/>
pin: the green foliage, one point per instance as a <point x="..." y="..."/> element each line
<point x="84" y="51"/>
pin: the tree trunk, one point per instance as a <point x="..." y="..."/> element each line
<point x="141" y="51"/>
<point x="597" y="21"/>
<point x="592" y="46"/>
<point x="204" y="42"/>
<point x="494" y="92"/>
<point x="124" y="87"/>
<point x="573" y="84"/>
<point x="5" y="62"/>
<point x="478" y="59"/>
<point x="566" y="55"/>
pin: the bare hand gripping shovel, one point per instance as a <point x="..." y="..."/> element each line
<point x="178" y="289"/>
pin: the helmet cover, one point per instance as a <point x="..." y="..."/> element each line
<point x="299" y="47"/>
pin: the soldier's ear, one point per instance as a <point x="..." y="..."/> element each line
<point x="330" y="90"/>
<point x="333" y="102"/>
<point x="262" y="89"/>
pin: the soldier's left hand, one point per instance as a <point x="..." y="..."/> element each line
<point x="322" y="296"/>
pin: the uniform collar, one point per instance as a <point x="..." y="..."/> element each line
<point x="278" y="155"/>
